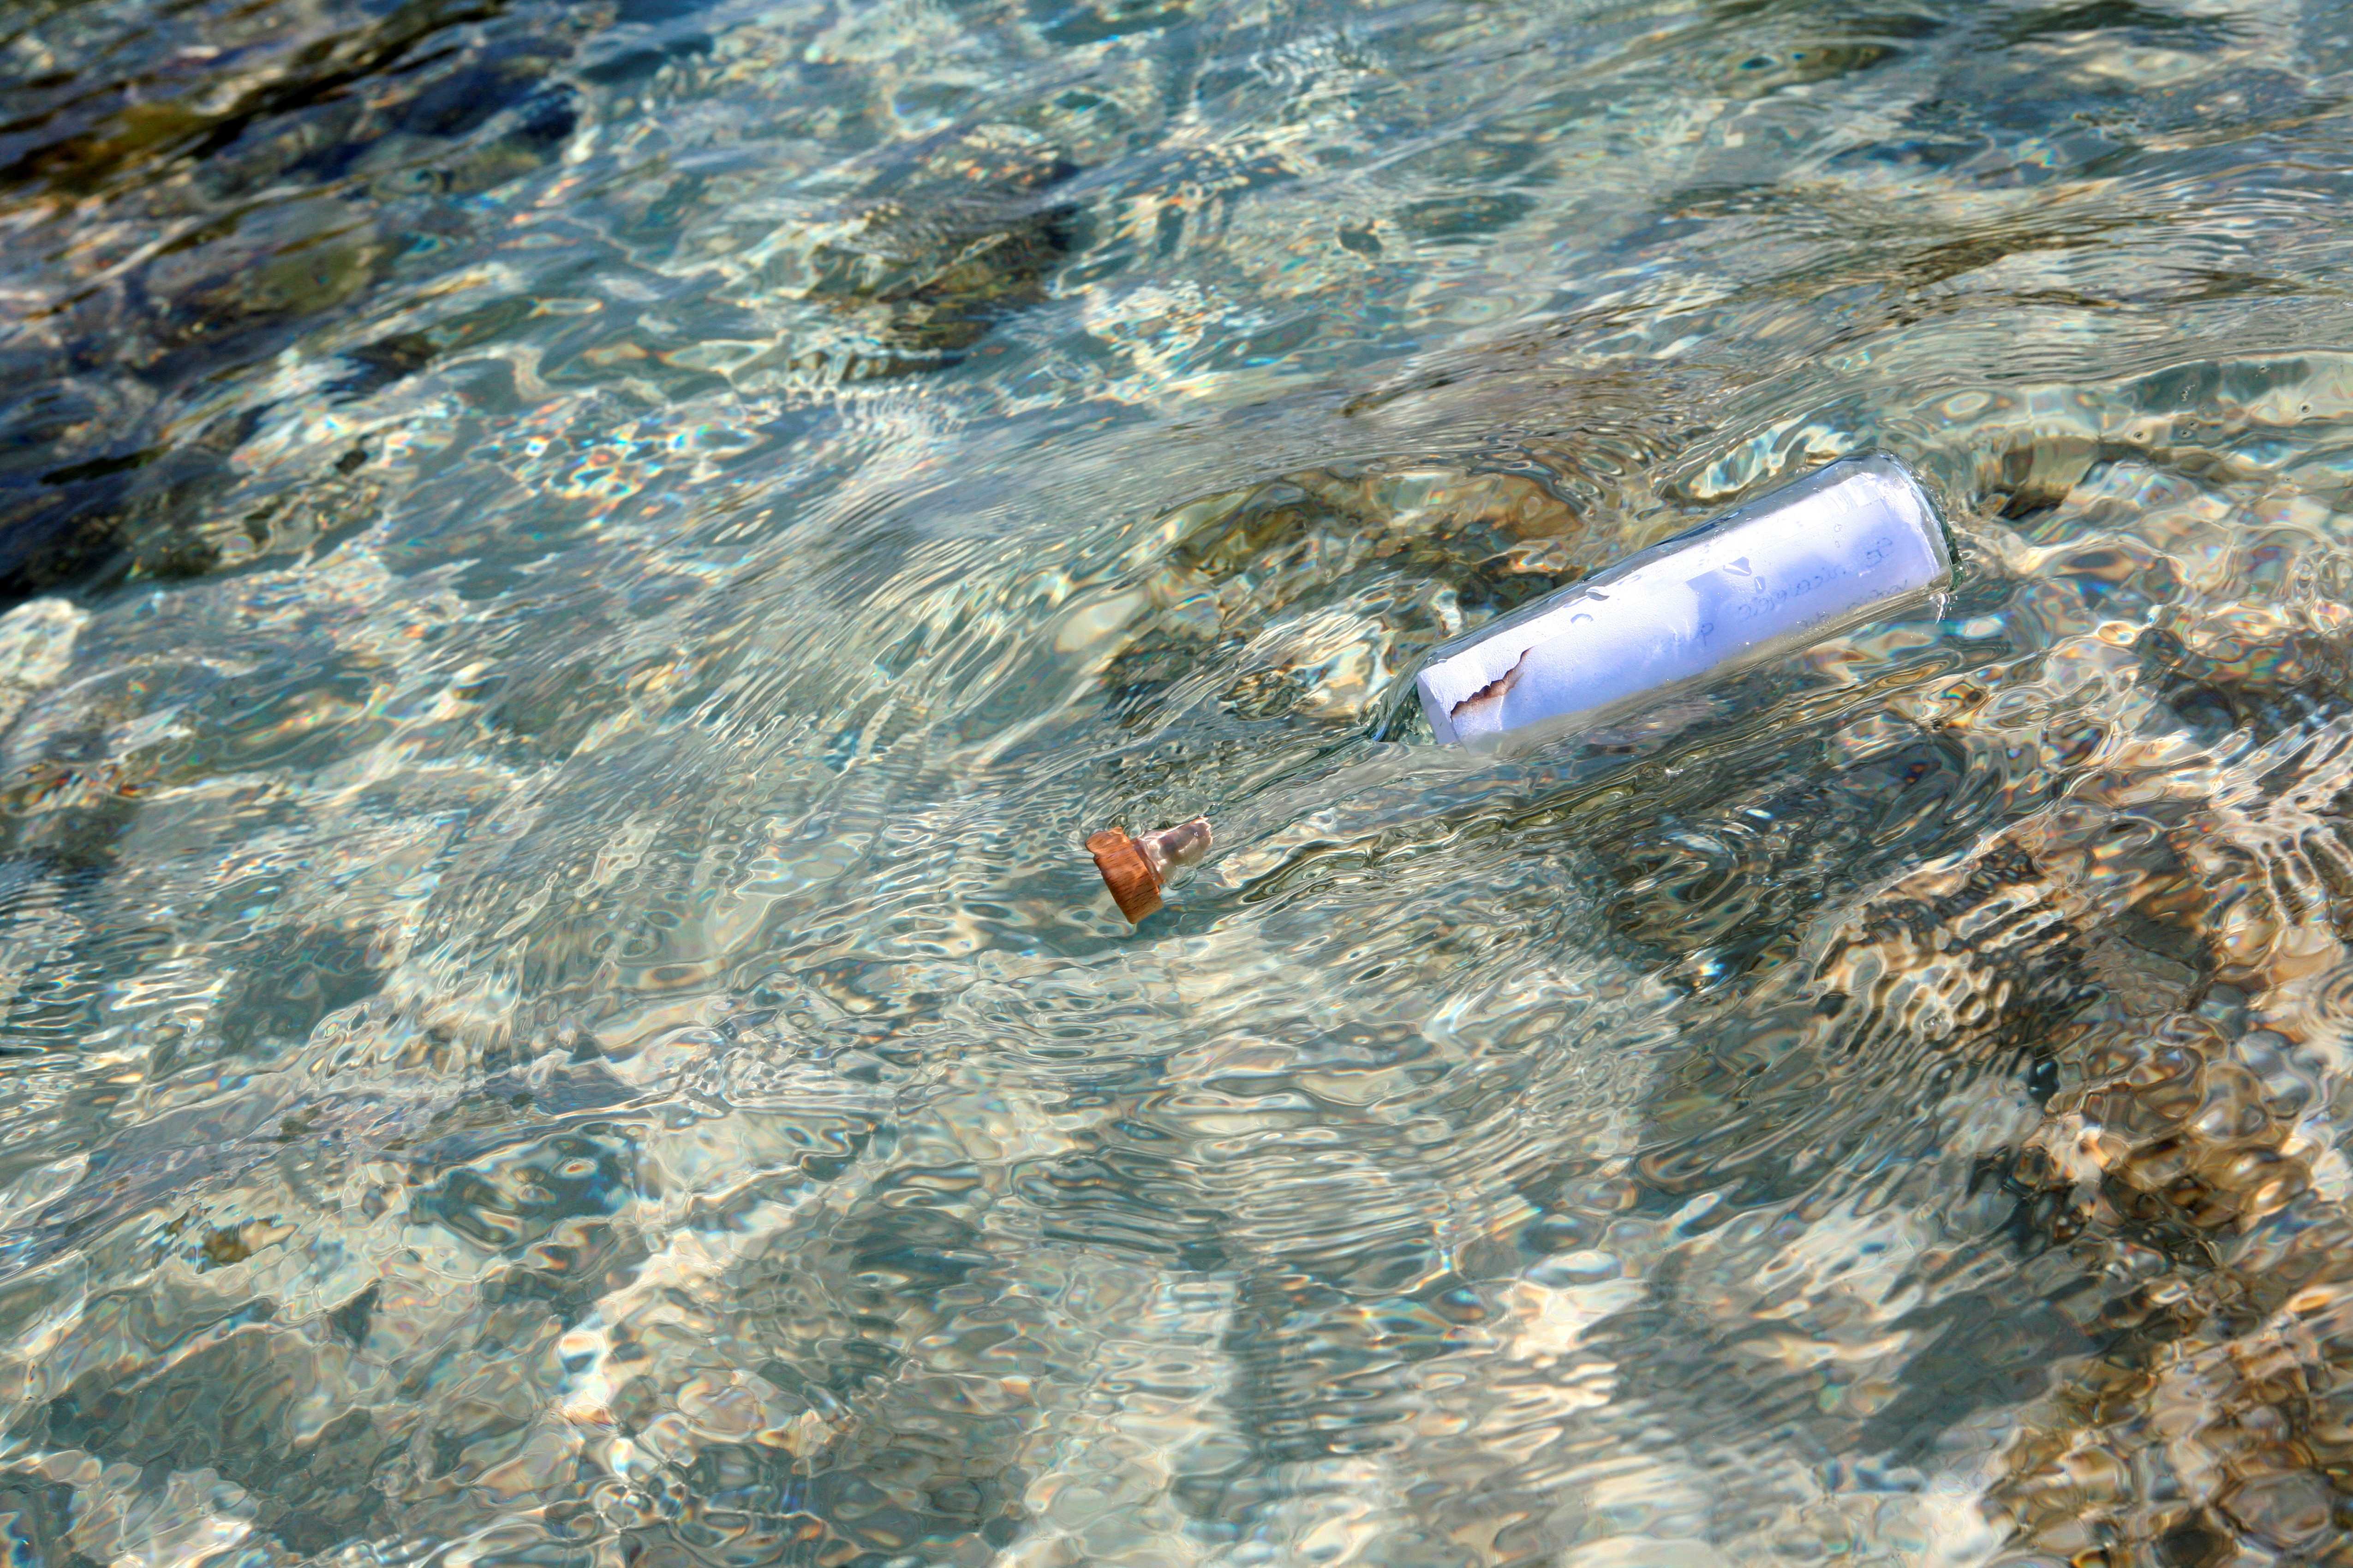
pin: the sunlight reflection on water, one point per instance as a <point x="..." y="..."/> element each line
<point x="582" y="572"/>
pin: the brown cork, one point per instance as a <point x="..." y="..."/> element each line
<point x="1136" y="869"/>
<point x="1134" y="885"/>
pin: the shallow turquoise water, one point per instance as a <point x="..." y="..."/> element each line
<point x="582" y="572"/>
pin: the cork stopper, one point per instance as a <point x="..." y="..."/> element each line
<point x="1136" y="869"/>
<point x="1134" y="885"/>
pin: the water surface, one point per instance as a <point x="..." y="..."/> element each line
<point x="582" y="571"/>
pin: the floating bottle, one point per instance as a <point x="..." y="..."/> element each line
<point x="1849" y="543"/>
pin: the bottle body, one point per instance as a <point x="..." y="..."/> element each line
<point x="1848" y="543"/>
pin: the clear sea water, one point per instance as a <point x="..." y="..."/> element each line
<point x="581" y="571"/>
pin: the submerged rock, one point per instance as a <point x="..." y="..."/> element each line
<point x="182" y="221"/>
<point x="949" y="239"/>
<point x="36" y="642"/>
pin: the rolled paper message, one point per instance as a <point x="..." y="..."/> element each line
<point x="1136" y="869"/>
<point x="1849" y="544"/>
